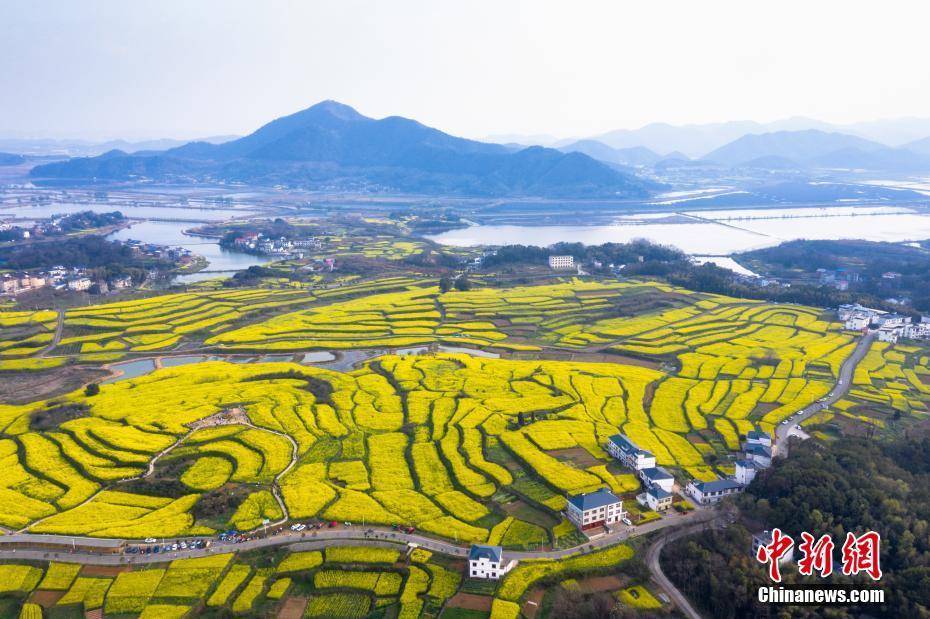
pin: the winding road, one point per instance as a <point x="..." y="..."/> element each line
<point x="840" y="389"/>
<point x="652" y="560"/>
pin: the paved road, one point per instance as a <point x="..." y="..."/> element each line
<point x="345" y="535"/>
<point x="652" y="560"/>
<point x="840" y="389"/>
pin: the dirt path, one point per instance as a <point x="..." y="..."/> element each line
<point x="59" y="327"/>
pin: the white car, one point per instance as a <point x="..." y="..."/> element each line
<point x="626" y="521"/>
<point x="150" y="540"/>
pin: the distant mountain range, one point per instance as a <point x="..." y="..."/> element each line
<point x="634" y="156"/>
<point x="331" y="146"/>
<point x="808" y="149"/>
<point x="697" y="140"/>
<point x="816" y="149"/>
<point x="43" y="147"/>
<point x="11" y="159"/>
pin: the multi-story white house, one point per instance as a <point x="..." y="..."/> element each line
<point x="79" y="284"/>
<point x="487" y="562"/>
<point x="756" y="437"/>
<point x="561" y="262"/>
<point x="746" y="471"/>
<point x="657" y="476"/>
<point x="594" y="509"/>
<point x="758" y="453"/>
<point x="625" y="450"/>
<point x="707" y="492"/>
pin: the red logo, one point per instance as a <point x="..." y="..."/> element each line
<point x="771" y="553"/>
<point x="861" y="554"/>
<point x="815" y="555"/>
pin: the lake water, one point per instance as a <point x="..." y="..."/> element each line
<point x="716" y="233"/>
<point x="172" y="233"/>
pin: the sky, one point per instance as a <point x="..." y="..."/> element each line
<point x="102" y="69"/>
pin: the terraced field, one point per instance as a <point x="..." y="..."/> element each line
<point x="341" y="582"/>
<point x="443" y="442"/>
<point x="891" y="383"/>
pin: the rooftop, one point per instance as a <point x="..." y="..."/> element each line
<point x="716" y="486"/>
<point x="656" y="473"/>
<point x="593" y="500"/>
<point x="757" y="449"/>
<point x="491" y="553"/>
<point x="658" y="492"/>
<point x="627" y="446"/>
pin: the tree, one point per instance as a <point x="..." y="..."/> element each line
<point x="92" y="389"/>
<point x="462" y="284"/>
<point x="445" y="283"/>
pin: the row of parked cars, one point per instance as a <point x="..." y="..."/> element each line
<point x="152" y="546"/>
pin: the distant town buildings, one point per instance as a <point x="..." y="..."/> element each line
<point x="561" y="262"/>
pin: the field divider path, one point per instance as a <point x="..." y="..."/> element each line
<point x="59" y="328"/>
<point x="275" y="487"/>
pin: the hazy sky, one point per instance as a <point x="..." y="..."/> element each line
<point x="186" y="68"/>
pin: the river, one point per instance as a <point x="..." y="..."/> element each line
<point x="222" y="261"/>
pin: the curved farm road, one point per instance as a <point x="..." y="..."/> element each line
<point x="840" y="389"/>
<point x="652" y="560"/>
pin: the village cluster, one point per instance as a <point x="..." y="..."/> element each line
<point x="281" y="247"/>
<point x="890" y="327"/>
<point x="59" y="278"/>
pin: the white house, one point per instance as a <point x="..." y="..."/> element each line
<point x="745" y="471"/>
<point x="846" y="311"/>
<point x="707" y="492"/>
<point x="625" y="450"/>
<point x="487" y="562"/>
<point x="561" y="262"/>
<point x="893" y="320"/>
<point x="890" y="334"/>
<point x="917" y="330"/>
<point x="755" y="437"/>
<point x="594" y="509"/>
<point x="657" y="499"/>
<point x="758" y="454"/>
<point x="81" y="283"/>
<point x="657" y="476"/>
<point x="858" y="321"/>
